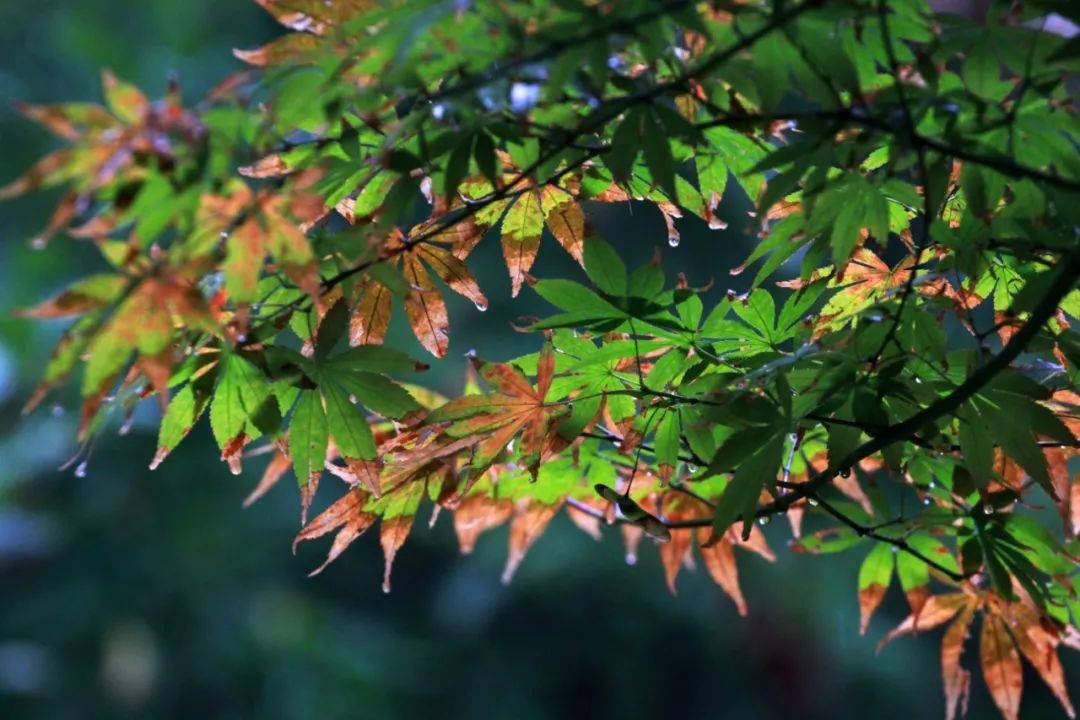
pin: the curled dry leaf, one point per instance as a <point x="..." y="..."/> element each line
<point x="720" y="563"/>
<point x="475" y="515"/>
<point x="531" y="518"/>
<point x="956" y="679"/>
<point x="279" y="465"/>
<point x="348" y="514"/>
<point x="392" y="535"/>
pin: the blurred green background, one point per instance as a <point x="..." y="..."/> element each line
<point x="127" y="593"/>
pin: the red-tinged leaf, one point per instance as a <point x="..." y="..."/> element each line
<point x="531" y="518"/>
<point x="1057" y="463"/>
<point x="755" y="541"/>
<point x="521" y="231"/>
<point x="392" y="535"/>
<point x="472" y="406"/>
<point x="956" y="679"/>
<point x="232" y="453"/>
<point x="670" y="214"/>
<point x="88" y="294"/>
<point x="347" y="513"/>
<point x="1039" y="646"/>
<point x="507" y="379"/>
<point x="1001" y="666"/>
<point x="874" y="577"/>
<point x="566" y="221"/>
<point x="1074" y="507"/>
<point x="720" y="563"/>
<point x="493" y="440"/>
<point x="494" y="420"/>
<point x="363" y="472"/>
<point x="937" y="610"/>
<point x="916" y="598"/>
<point x="475" y="515"/>
<point x="279" y="465"/>
<point x="62" y="214"/>
<point x="285" y="49"/>
<point x="52" y="169"/>
<point x="371" y="317"/>
<point x="157" y="369"/>
<point x="674" y="553"/>
<point x="454" y="273"/>
<point x="463" y="237"/>
<point x="850" y="486"/>
<point x="69" y="121"/>
<point x="307" y="496"/>
<point x="426" y="309"/>
<point x="545" y="371"/>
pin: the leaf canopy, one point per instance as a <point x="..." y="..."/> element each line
<point x="900" y="381"/>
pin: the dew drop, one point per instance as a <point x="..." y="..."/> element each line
<point x="926" y="500"/>
<point x="386" y="586"/>
<point x="673" y="240"/>
<point x="812" y="501"/>
<point x="57" y="410"/>
<point x="481" y="306"/>
<point x="37" y="243"/>
<point x="80" y="470"/>
<point x="763" y="521"/>
<point x="845" y="473"/>
<point x="631" y="559"/>
<point x="692" y="468"/>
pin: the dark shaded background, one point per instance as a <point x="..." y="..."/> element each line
<point x="127" y="593"/>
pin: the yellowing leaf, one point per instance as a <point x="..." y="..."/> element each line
<point x="521" y="231"/>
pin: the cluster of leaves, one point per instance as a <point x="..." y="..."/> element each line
<point x="911" y="392"/>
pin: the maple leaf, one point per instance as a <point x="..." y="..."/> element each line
<point x="347" y="516"/>
<point x="108" y="146"/>
<point x="523" y="217"/>
<point x="531" y="518"/>
<point x="493" y="421"/>
<point x="476" y="514"/>
<point x="1009" y="630"/>
<point x="718" y="557"/>
<point x="420" y="263"/>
